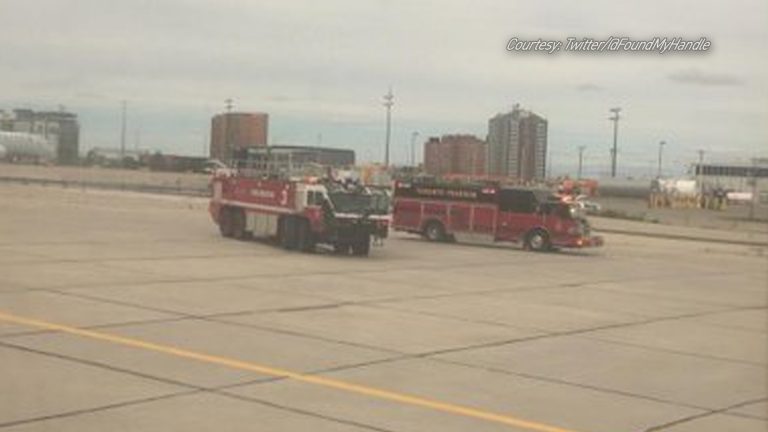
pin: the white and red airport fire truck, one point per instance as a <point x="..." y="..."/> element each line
<point x="490" y="212"/>
<point x="298" y="213"/>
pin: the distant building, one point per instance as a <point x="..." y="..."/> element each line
<point x="455" y="154"/>
<point x="113" y="157"/>
<point x="517" y="145"/>
<point x="235" y="131"/>
<point x="61" y="128"/>
<point x="6" y="121"/>
<point x="736" y="178"/>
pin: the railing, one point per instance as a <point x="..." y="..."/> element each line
<point x="278" y="168"/>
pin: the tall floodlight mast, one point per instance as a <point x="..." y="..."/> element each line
<point x="388" y="102"/>
<point x="614" y="151"/>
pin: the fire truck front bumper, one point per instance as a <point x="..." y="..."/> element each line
<point x="581" y="242"/>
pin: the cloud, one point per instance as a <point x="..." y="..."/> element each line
<point x="588" y="87"/>
<point x="698" y="77"/>
<point x="322" y="67"/>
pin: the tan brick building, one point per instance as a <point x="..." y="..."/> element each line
<point x="455" y="154"/>
<point x="234" y="131"/>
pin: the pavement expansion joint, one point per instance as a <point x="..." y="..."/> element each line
<point x="571" y="384"/>
<point x="193" y="389"/>
<point x="96" y="409"/>
<point x="708" y="413"/>
<point x="760" y="365"/>
<point x="344" y="386"/>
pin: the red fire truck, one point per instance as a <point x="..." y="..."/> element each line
<point x="300" y="212"/>
<point x="489" y="212"/>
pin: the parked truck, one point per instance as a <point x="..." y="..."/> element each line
<point x="490" y="212"/>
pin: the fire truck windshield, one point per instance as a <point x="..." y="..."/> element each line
<point x="563" y="210"/>
<point x="575" y="212"/>
<point x="352" y="202"/>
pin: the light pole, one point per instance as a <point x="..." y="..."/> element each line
<point x="388" y="102"/>
<point x="123" y="128"/>
<point x="137" y="139"/>
<point x="581" y="160"/>
<point x="414" y="136"/>
<point x="661" y="150"/>
<point x="753" y="183"/>
<point x="228" y="152"/>
<point x="700" y="174"/>
<point x="614" y="151"/>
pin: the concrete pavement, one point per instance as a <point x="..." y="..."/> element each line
<point x="152" y="322"/>
<point x="711" y="235"/>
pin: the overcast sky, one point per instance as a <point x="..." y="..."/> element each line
<point x="319" y="68"/>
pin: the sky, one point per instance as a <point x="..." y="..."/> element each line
<point x="320" y="69"/>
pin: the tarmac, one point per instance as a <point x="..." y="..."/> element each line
<point x="756" y="238"/>
<point x="127" y="311"/>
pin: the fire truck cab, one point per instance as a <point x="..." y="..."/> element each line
<point x="536" y="218"/>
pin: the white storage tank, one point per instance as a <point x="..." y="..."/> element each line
<point x="26" y="146"/>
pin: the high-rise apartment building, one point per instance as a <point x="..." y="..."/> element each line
<point x="517" y="145"/>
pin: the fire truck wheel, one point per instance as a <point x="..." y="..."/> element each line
<point x="538" y="240"/>
<point x="305" y="241"/>
<point x="434" y="231"/>
<point x="238" y="224"/>
<point x="225" y="222"/>
<point x="362" y="247"/>
<point x="288" y="233"/>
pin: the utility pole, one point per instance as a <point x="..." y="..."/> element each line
<point x="661" y="150"/>
<point x="614" y="151"/>
<point x="700" y="174"/>
<point x="137" y="139"/>
<point x="581" y="160"/>
<point x="123" y="125"/>
<point x="753" y="183"/>
<point x="414" y="136"/>
<point x="388" y="102"/>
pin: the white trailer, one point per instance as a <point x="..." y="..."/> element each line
<point x="17" y="146"/>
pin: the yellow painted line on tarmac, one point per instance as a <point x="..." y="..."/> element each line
<point x="283" y="373"/>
